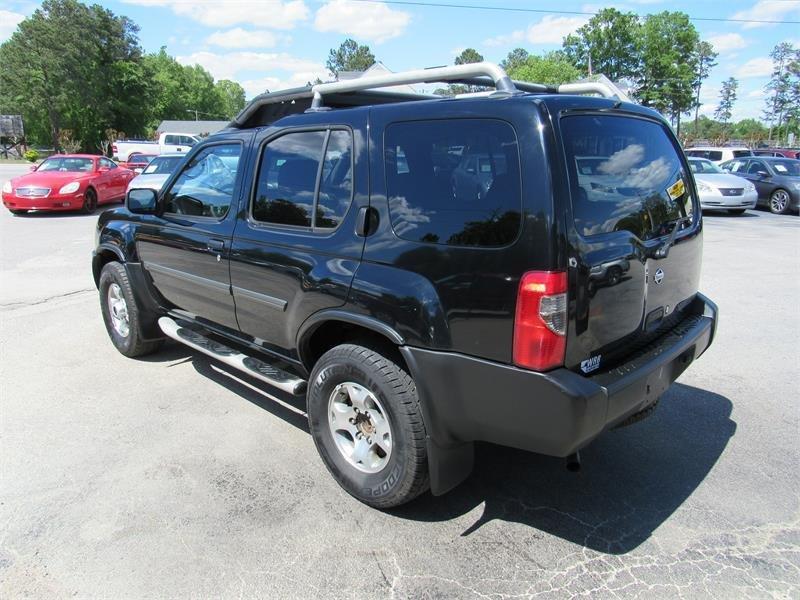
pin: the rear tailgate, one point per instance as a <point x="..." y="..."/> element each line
<point x="635" y="238"/>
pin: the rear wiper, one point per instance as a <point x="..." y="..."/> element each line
<point x="663" y="250"/>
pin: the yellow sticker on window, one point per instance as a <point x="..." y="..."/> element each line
<point x="676" y="190"/>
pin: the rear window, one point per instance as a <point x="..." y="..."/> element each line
<point x="740" y="153"/>
<point x="454" y="182"/>
<point x="625" y="174"/>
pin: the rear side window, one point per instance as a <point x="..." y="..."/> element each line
<point x="714" y="155"/>
<point x="454" y="182"/>
<point x="286" y="188"/>
<point x="625" y="174"/>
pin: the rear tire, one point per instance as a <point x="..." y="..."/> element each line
<point x="737" y="211"/>
<point x="365" y="419"/>
<point x="121" y="314"/>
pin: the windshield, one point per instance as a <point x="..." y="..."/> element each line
<point x="67" y="164"/>
<point x="625" y="174"/>
<point x="162" y="165"/>
<point x="788" y="168"/>
<point x="704" y="166"/>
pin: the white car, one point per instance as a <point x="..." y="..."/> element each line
<point x="720" y="190"/>
<point x="156" y="173"/>
<point x="718" y="154"/>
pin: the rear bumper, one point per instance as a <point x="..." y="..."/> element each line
<point x="467" y="399"/>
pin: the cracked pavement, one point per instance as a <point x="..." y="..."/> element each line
<point x="173" y="477"/>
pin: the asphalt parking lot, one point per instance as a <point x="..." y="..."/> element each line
<point x="173" y="477"/>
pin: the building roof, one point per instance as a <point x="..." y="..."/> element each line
<point x="192" y="127"/>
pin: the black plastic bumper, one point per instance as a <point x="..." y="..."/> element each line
<point x="466" y="399"/>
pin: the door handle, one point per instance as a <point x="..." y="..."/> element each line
<point x="366" y="221"/>
<point x="216" y="245"/>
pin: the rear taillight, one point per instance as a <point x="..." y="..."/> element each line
<point x="540" y="326"/>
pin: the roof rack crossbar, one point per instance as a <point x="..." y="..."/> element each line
<point x="501" y="81"/>
<point x="588" y="87"/>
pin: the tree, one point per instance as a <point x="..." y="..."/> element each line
<point x="349" y="57"/>
<point x="469" y="56"/>
<point x="515" y="58"/>
<point x="607" y="44"/>
<point x="705" y="58"/>
<point x="668" y="43"/>
<point x="727" y="98"/>
<point x="785" y="87"/>
<point x="72" y="66"/>
<point x="551" y="68"/>
<point x="232" y="97"/>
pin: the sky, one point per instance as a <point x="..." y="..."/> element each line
<point x="275" y="44"/>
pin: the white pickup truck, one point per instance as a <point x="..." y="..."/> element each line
<point x="167" y="142"/>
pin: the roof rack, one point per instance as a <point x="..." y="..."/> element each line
<point x="372" y="90"/>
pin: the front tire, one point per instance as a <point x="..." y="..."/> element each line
<point x="121" y="314"/>
<point x="89" y="201"/>
<point x="365" y="419"/>
<point x="779" y="202"/>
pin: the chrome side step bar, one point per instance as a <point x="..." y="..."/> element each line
<point x="254" y="367"/>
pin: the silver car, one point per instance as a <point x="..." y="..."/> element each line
<point x="719" y="189"/>
<point x="156" y="173"/>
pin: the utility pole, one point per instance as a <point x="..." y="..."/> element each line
<point x="189" y="110"/>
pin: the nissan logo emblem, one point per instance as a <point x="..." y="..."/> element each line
<point x="659" y="277"/>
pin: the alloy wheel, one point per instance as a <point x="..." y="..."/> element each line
<point x="118" y="310"/>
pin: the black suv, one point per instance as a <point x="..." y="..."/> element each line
<point x="518" y="266"/>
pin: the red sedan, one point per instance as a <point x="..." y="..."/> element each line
<point x="137" y="161"/>
<point x="68" y="182"/>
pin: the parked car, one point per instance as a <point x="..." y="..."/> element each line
<point x="777" y="180"/>
<point x="67" y="182"/>
<point x="156" y="173"/>
<point x="718" y="189"/>
<point x="167" y="142"/>
<point x="778" y="152"/>
<point x="718" y="154"/>
<point x="317" y="247"/>
<point x="137" y="161"/>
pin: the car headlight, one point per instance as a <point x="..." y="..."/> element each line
<point x="7" y="187"/>
<point x="749" y="186"/>
<point x="70" y="188"/>
<point x="704" y="187"/>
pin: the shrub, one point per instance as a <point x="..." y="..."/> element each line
<point x="31" y="155"/>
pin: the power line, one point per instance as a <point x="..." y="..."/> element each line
<point x="558" y="12"/>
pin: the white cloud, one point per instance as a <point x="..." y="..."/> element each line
<point x="757" y="94"/>
<point x="768" y="10"/>
<point x="258" y="71"/>
<point x="373" y="22"/>
<point x="275" y="14"/>
<point x="8" y="23"/>
<point x="550" y="30"/>
<point x="725" y="42"/>
<point x="755" y="67"/>
<point x="241" y="38"/>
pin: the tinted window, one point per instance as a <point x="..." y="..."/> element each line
<point x="755" y="167"/>
<point x="454" y="182"/>
<point x="205" y="186"/>
<point x="171" y="139"/>
<point x="714" y="155"/>
<point x="186" y="140"/>
<point x="740" y="153"/>
<point x="335" y="188"/>
<point x="625" y="175"/>
<point x="287" y="179"/>
<point x="786" y="167"/>
<point x="162" y="164"/>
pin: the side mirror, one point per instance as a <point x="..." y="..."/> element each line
<point x="34" y="167"/>
<point x="763" y="174"/>
<point x="142" y="201"/>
